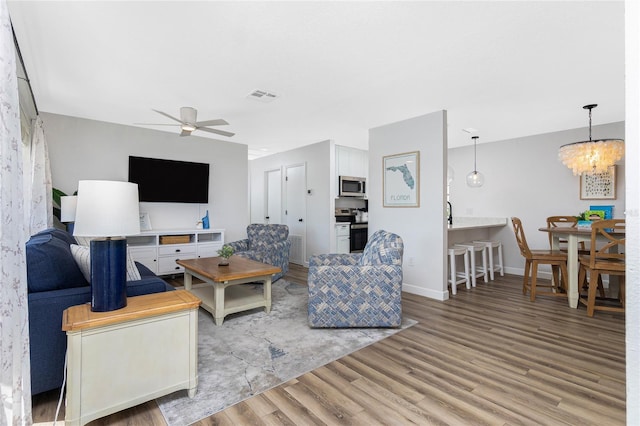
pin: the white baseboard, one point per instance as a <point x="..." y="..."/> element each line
<point x="426" y="292"/>
<point x="444" y="295"/>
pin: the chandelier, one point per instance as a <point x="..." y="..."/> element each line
<point x="591" y="156"/>
<point x="475" y="179"/>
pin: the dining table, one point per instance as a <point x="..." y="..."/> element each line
<point x="573" y="235"/>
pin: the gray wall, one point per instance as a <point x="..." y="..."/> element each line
<point x="319" y="159"/>
<point x="632" y="82"/>
<point x="85" y="149"/>
<point x="421" y="228"/>
<point x="524" y="178"/>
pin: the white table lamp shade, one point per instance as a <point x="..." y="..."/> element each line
<point x="68" y="205"/>
<point x="107" y="209"/>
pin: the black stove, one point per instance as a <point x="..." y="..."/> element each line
<point x="359" y="231"/>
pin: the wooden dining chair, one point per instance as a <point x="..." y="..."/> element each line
<point x="533" y="258"/>
<point x="562" y="221"/>
<point x="570" y="222"/>
<point x="605" y="258"/>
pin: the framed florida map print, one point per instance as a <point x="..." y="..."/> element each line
<point x="401" y="180"/>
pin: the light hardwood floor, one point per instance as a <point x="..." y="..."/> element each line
<point x="485" y="356"/>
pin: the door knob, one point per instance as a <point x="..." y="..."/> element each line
<point x="299" y="220"/>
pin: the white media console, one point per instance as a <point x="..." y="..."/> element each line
<point x="158" y="250"/>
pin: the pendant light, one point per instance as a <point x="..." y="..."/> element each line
<point x="591" y="156"/>
<point x="475" y="179"/>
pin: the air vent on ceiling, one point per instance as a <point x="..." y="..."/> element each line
<point x="262" y="96"/>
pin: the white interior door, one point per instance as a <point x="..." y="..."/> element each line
<point x="296" y="211"/>
<point x="273" y="198"/>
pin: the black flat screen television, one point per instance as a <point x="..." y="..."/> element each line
<point x="170" y="181"/>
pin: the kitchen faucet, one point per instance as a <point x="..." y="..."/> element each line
<point x="450" y="218"/>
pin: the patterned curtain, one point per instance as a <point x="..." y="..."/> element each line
<point x="41" y="212"/>
<point x="15" y="380"/>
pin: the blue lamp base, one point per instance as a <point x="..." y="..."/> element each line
<point x="108" y="274"/>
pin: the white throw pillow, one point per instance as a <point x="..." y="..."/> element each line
<point x="82" y="256"/>
<point x="84" y="241"/>
<point x="132" y="270"/>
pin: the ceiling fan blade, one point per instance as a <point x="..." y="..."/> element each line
<point x="216" y="131"/>
<point x="217" y="122"/>
<point x="185" y="133"/>
<point x="168" y="116"/>
<point x="155" y="124"/>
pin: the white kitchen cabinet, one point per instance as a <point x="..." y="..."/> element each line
<point x="156" y="251"/>
<point x="343" y="241"/>
<point x="351" y="162"/>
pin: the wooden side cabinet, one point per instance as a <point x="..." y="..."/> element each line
<point x="122" y="358"/>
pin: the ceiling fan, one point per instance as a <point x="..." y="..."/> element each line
<point x="188" y="122"/>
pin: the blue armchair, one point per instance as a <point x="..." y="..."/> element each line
<point x="267" y="244"/>
<point x="358" y="290"/>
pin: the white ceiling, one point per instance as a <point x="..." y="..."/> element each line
<point x="507" y="69"/>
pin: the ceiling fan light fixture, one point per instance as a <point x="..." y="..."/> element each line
<point x="591" y="156"/>
<point x="188" y="114"/>
<point x="189" y="123"/>
<point x="475" y="179"/>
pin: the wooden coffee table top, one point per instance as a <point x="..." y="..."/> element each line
<point x="238" y="268"/>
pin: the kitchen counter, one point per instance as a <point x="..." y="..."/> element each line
<point x="466" y="229"/>
<point x="466" y="223"/>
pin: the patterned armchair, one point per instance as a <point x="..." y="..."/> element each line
<point x="358" y="290"/>
<point x="266" y="244"/>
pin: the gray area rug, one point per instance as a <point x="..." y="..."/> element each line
<point x="252" y="352"/>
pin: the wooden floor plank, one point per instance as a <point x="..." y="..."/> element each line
<point x="330" y="394"/>
<point x="334" y="374"/>
<point x="294" y="410"/>
<point x="261" y="405"/>
<point x="485" y="356"/>
<point x="319" y="405"/>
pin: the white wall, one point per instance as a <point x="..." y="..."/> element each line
<point x="421" y="228"/>
<point x="319" y="159"/>
<point x="524" y="178"/>
<point x="85" y="149"/>
<point x="632" y="61"/>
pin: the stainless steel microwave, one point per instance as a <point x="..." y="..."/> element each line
<point x="351" y="186"/>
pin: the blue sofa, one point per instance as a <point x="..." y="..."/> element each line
<point x="55" y="283"/>
<point x="267" y="244"/>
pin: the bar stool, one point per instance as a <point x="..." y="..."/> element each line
<point x="491" y="245"/>
<point x="476" y="271"/>
<point x="458" y="277"/>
